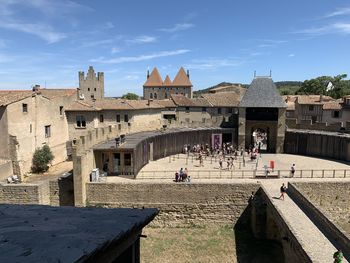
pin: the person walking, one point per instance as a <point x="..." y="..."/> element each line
<point x="283" y="191"/>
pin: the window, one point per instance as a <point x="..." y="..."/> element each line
<point x="81" y="122"/>
<point x="219" y="110"/>
<point x="61" y="110"/>
<point x="127" y="159"/>
<point x="311" y="108"/>
<point x="101" y="118"/>
<point x="88" y="89"/>
<point x="94" y="89"/>
<point x="118" y="118"/>
<point x="24" y="107"/>
<point x="187" y="109"/>
<point x="155" y="95"/>
<point x="166" y="95"/>
<point x="92" y="96"/>
<point x="151" y="95"/>
<point x="126" y="118"/>
<point x="47" y="131"/>
<point x="336" y="114"/>
<point x="229" y="110"/>
<point x="204" y="109"/>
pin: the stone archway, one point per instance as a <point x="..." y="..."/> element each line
<point x="260" y="138"/>
<point x="269" y="128"/>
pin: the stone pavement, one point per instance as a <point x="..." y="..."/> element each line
<point x="316" y="245"/>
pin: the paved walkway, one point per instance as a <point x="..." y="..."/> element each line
<point x="316" y="245"/>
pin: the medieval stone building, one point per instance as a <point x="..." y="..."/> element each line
<point x="156" y="88"/>
<point x="92" y="86"/>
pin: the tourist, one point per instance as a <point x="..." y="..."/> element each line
<point x="283" y="190"/>
<point x="228" y="163"/>
<point x="231" y="163"/>
<point x="338" y="257"/>
<point x="220" y="162"/>
<point x="181" y="174"/>
<point x="292" y="170"/>
<point x="177" y="177"/>
<point x="189" y="179"/>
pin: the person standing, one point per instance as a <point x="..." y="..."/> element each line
<point x="292" y="170"/>
<point x="283" y="191"/>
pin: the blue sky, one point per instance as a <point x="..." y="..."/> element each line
<point x="44" y="41"/>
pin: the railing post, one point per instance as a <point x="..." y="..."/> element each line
<point x="301" y="173"/>
<point x="333" y="173"/>
<point x="178" y="156"/>
<point x="220" y="173"/>
<point x="169" y="159"/>
<point x="209" y="174"/>
<point x="254" y="173"/>
<point x="344" y="173"/>
<point x="232" y="174"/>
<point x="211" y="159"/>
<point x="279" y="173"/>
<point x="322" y="173"/>
<point x="239" y="165"/>
<point x="312" y="173"/>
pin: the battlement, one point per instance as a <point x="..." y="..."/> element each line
<point x="91" y="86"/>
<point x="319" y="126"/>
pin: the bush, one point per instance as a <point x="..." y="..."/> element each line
<point x="41" y="158"/>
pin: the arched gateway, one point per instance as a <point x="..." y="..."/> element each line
<point x="262" y="117"/>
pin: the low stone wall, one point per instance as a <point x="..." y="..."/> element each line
<point x="179" y="203"/>
<point x="5" y="169"/>
<point x="24" y="194"/>
<point x="62" y="191"/>
<point x="322" y="202"/>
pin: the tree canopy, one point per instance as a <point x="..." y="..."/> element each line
<point x="335" y="87"/>
<point x="130" y="96"/>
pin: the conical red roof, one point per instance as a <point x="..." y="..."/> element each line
<point x="154" y="79"/>
<point x="181" y="79"/>
<point x="167" y="81"/>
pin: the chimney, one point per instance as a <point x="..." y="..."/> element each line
<point x="147" y="74"/>
<point x="188" y="74"/>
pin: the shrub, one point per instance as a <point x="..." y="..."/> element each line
<point x="41" y="158"/>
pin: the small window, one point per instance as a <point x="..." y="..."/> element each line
<point x="204" y="109"/>
<point x="94" y="89"/>
<point x="155" y="95"/>
<point x="219" y="110"/>
<point x="101" y="118"/>
<point x="187" y="109"/>
<point x="126" y="118"/>
<point x="61" y="110"/>
<point x="127" y="159"/>
<point x="81" y="122"/>
<point x="311" y="108"/>
<point x="336" y="114"/>
<point x="88" y="89"/>
<point x="118" y="118"/>
<point x="229" y="110"/>
<point x="24" y="107"/>
<point x="47" y="131"/>
<point x="151" y="95"/>
<point x="166" y="95"/>
<point x="92" y="96"/>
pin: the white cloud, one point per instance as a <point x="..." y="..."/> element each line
<point x="339" y="12"/>
<point x="141" y="57"/>
<point x="177" y="27"/>
<point x="142" y="39"/>
<point x="115" y="50"/>
<point x="213" y="63"/>
<point x="40" y="30"/>
<point x="102" y="42"/>
<point x="335" y="28"/>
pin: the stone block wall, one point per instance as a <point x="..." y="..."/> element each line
<point x="24" y="194"/>
<point x="5" y="169"/>
<point x="179" y="204"/>
<point x="326" y="205"/>
<point x="62" y="191"/>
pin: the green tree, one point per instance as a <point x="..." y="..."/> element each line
<point x="319" y="86"/>
<point x="41" y="158"/>
<point x="130" y="96"/>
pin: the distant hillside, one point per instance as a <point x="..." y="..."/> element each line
<point x="284" y="87"/>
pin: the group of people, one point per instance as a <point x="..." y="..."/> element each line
<point x="182" y="176"/>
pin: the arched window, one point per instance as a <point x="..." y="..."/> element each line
<point x="151" y="95"/>
<point x="155" y="95"/>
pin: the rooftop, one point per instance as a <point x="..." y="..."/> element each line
<point x="33" y="233"/>
<point x="262" y="93"/>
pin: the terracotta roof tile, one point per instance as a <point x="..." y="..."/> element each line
<point x="181" y="79"/>
<point x="80" y="105"/>
<point x="10" y="96"/>
<point x="201" y="102"/>
<point x="144" y="104"/>
<point x="54" y="93"/>
<point x="313" y="99"/>
<point x="332" y="105"/>
<point x="154" y="79"/>
<point x="167" y="81"/>
<point x="224" y="99"/>
<point x="182" y="101"/>
<point x="168" y="103"/>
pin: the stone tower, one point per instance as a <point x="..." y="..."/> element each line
<point x="91" y="87"/>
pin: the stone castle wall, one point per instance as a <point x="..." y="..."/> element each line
<point x="179" y="204"/>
